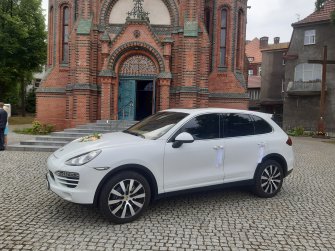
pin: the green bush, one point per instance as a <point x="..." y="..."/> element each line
<point x="297" y="131"/>
<point x="37" y="129"/>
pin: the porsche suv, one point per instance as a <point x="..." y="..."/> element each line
<point x="172" y="151"/>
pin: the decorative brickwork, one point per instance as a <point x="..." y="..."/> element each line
<point x="182" y="60"/>
<point x="138" y="65"/>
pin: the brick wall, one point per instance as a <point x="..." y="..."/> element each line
<point x="189" y="74"/>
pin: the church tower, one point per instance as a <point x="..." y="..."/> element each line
<point x="127" y="59"/>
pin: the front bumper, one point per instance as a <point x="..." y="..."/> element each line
<point x="80" y="189"/>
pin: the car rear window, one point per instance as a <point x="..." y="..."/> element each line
<point x="261" y="126"/>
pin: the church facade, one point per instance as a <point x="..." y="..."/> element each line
<point x="127" y="59"/>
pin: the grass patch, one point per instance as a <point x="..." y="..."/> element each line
<point x="330" y="142"/>
<point x="17" y="120"/>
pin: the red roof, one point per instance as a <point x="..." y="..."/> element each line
<point x="320" y="15"/>
<point x="252" y="50"/>
<point x="254" y="82"/>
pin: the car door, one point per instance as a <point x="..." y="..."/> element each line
<point x="195" y="164"/>
<point x="241" y="146"/>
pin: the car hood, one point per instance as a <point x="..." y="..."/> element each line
<point x="108" y="140"/>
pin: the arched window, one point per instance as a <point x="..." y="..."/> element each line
<point x="208" y="21"/>
<point x="223" y="37"/>
<point x="209" y="27"/>
<point x="65" y="35"/>
<point x="75" y="9"/>
<point x="308" y="73"/>
<point x="239" y="39"/>
<point x="51" y="35"/>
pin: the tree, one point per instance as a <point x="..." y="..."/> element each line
<point x="319" y="4"/>
<point x="22" y="44"/>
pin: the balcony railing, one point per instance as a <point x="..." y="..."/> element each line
<point x="304" y="88"/>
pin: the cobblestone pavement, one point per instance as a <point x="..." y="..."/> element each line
<point x="301" y="217"/>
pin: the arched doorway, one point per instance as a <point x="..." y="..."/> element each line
<point x="137" y="88"/>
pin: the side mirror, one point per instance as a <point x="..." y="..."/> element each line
<point x="181" y="139"/>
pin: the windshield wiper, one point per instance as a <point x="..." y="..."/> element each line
<point x="134" y="133"/>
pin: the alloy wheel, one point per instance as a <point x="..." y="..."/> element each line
<point x="126" y="198"/>
<point x="271" y="179"/>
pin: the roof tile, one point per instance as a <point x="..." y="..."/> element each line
<point x="319" y="15"/>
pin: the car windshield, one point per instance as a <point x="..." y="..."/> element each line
<point x="156" y="125"/>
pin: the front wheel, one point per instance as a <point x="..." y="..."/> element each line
<point x="125" y="197"/>
<point x="268" y="179"/>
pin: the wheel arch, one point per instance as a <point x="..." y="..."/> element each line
<point x="276" y="157"/>
<point x="145" y="172"/>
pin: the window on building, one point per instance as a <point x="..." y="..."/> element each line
<point x="75" y="9"/>
<point x="223" y="38"/>
<point x="250" y="72"/>
<point x="251" y="59"/>
<point x="65" y="35"/>
<point x="309" y="37"/>
<point x="239" y="39"/>
<point x="209" y="28"/>
<point x="308" y="72"/>
<point x="208" y="21"/>
<point x="259" y="71"/>
<point x="51" y="35"/>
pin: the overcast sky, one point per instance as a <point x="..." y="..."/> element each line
<point x="271" y="18"/>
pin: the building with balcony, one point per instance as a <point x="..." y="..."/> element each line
<point x="303" y="79"/>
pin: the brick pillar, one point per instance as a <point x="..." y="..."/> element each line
<point x="164" y="93"/>
<point x="115" y="95"/>
<point x="106" y="97"/>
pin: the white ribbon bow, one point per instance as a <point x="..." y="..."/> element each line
<point x="219" y="156"/>
<point x="261" y="152"/>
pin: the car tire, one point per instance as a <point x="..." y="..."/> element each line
<point x="268" y="179"/>
<point x="124" y="197"/>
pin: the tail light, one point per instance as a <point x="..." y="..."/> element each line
<point x="289" y="141"/>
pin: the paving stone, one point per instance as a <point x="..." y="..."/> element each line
<point x="300" y="217"/>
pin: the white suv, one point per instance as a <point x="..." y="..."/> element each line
<point x="172" y="151"/>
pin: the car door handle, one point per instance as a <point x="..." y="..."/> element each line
<point x="217" y="147"/>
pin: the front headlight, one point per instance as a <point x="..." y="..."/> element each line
<point x="83" y="159"/>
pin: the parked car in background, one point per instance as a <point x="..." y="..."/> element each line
<point x="172" y="151"/>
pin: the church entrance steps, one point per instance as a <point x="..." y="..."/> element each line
<point x="56" y="140"/>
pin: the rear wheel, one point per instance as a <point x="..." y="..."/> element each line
<point x="268" y="179"/>
<point x="125" y="197"/>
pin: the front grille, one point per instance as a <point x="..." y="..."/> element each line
<point x="68" y="179"/>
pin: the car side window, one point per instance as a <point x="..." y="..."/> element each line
<point x="236" y="125"/>
<point x="203" y="127"/>
<point x="261" y="126"/>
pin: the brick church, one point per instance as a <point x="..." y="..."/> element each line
<point x="127" y="59"/>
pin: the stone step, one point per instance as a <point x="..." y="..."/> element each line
<point x="55" y="138"/>
<point x="69" y="134"/>
<point x="116" y="122"/>
<point x="90" y="131"/>
<point x="103" y="127"/>
<point x="43" y="143"/>
<point x="31" y="148"/>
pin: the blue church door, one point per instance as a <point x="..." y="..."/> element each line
<point x="136" y="99"/>
<point x="127" y="99"/>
